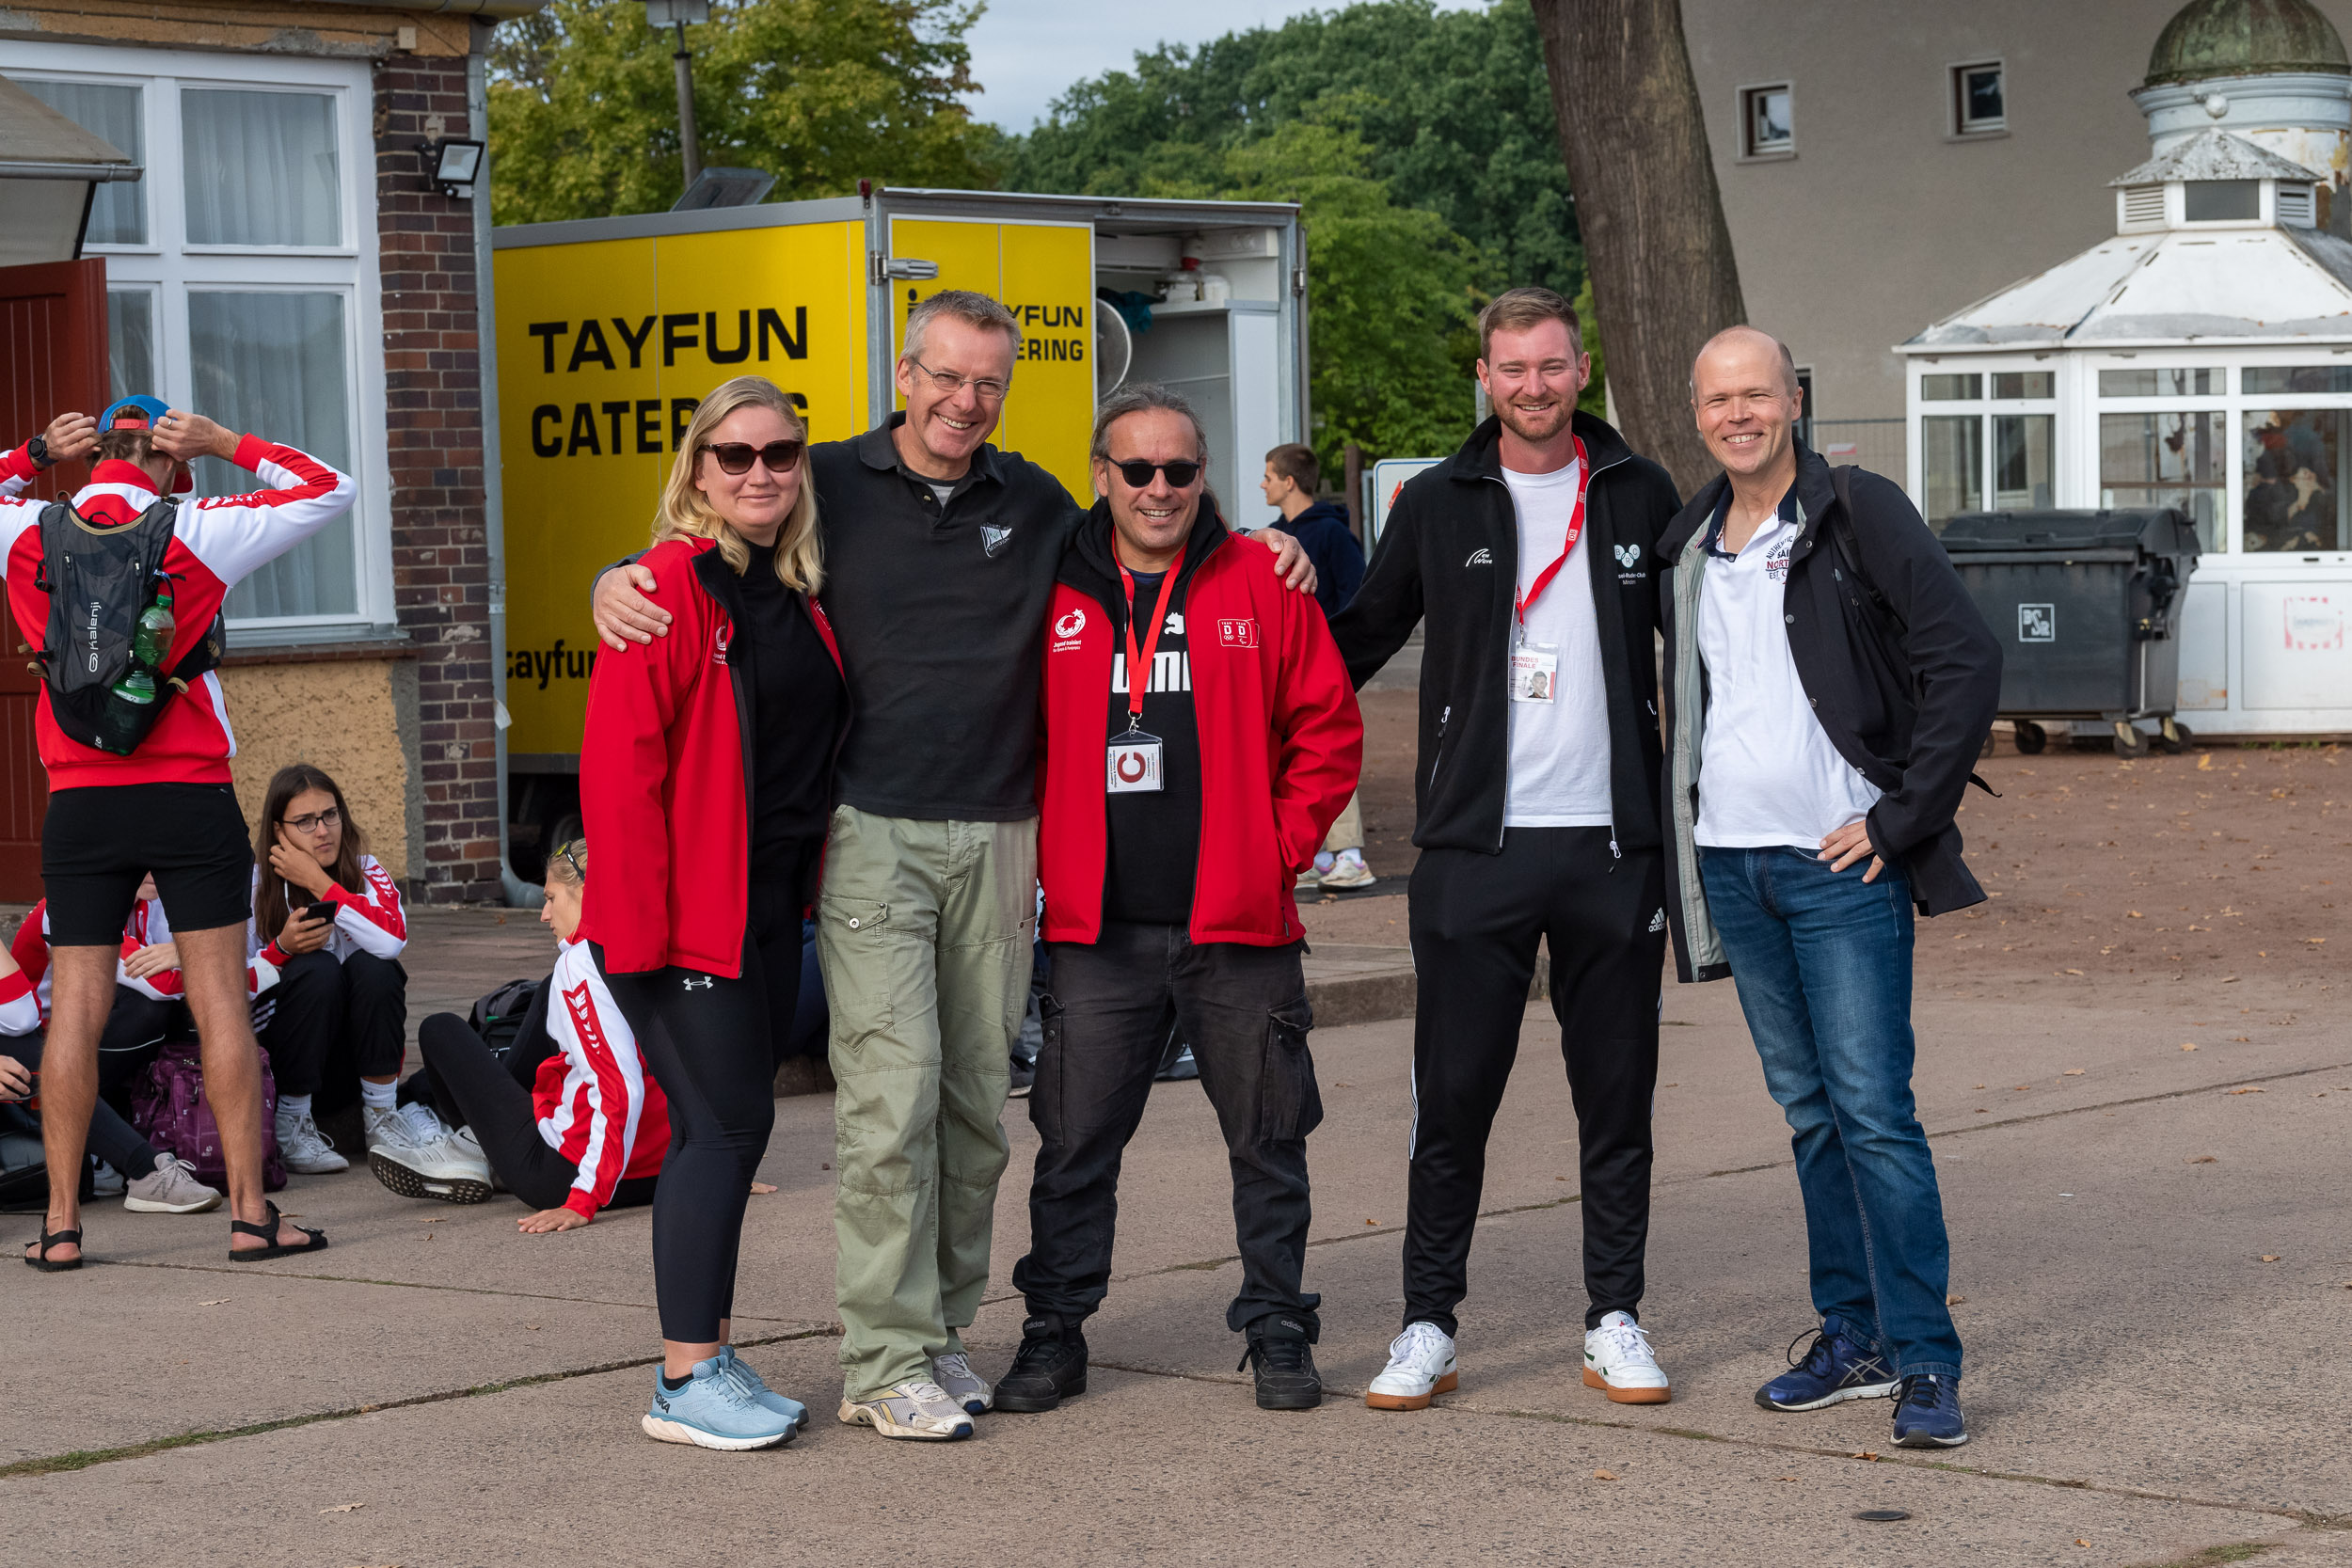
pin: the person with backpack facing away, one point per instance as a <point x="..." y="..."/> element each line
<point x="1829" y="687"/>
<point x="705" y="780"/>
<point x="338" y="1020"/>
<point x="132" y="729"/>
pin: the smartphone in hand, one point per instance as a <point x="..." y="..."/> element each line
<point x="322" y="910"/>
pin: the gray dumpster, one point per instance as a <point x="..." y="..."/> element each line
<point x="2088" y="608"/>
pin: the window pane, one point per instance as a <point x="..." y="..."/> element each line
<point x="1769" y="119"/>
<point x="2221" y="200"/>
<point x="1950" y="389"/>
<point x="2025" y="384"/>
<point x="2173" y="383"/>
<point x="2022" y="461"/>
<point x="118" y="215"/>
<point x="2295" y="378"/>
<point x="274" y="365"/>
<point x="2165" y="460"/>
<point x="261" y="168"/>
<point x="2293" y="501"/>
<point x="131" y="342"/>
<point x="1955" y="467"/>
<point x="1984" y="95"/>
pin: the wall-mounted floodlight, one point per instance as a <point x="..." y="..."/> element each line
<point x="453" y="164"/>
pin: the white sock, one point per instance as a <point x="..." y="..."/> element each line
<point x="1353" y="857"/>
<point x="293" y="1107"/>
<point x="375" y="1096"/>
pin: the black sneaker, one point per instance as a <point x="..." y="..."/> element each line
<point x="1283" y="1365"/>
<point x="1050" y="1367"/>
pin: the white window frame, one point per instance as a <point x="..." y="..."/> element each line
<point x="1750" y="152"/>
<point x="171" y="270"/>
<point x="1984" y="408"/>
<point x="1956" y="91"/>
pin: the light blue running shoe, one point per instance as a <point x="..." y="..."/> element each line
<point x="713" y="1411"/>
<point x="740" y="1369"/>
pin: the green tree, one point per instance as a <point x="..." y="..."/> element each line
<point x="583" y="111"/>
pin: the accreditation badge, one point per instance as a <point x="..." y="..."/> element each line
<point x="1535" y="673"/>
<point x="1135" y="765"/>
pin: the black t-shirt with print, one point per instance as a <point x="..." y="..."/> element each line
<point x="1155" y="839"/>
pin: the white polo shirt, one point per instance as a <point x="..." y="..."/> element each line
<point x="1559" y="774"/>
<point x="1768" y="775"/>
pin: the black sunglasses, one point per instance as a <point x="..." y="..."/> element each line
<point x="736" y="456"/>
<point x="1139" y="473"/>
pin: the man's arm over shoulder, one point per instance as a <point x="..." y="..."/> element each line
<point x="1319" y="726"/>
<point x="1388" y="605"/>
<point x="1955" y="664"/>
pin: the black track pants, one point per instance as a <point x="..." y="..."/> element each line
<point x="473" y="1088"/>
<point x="336" y="1023"/>
<point x="1475" y="920"/>
<point x="708" y="1042"/>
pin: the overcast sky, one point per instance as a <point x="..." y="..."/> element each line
<point x="1027" y="52"/>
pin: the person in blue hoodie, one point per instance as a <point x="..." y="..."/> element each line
<point x="1291" y="476"/>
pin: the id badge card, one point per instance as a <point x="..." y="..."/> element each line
<point x="1535" y="673"/>
<point x="1135" y="765"/>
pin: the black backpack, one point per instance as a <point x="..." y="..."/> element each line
<point x="100" y="580"/>
<point x="498" y="1017"/>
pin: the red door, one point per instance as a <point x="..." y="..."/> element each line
<point x="53" y="359"/>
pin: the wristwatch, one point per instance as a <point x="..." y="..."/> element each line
<point x="37" y="450"/>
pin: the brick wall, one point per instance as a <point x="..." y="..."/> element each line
<point x="441" y="566"/>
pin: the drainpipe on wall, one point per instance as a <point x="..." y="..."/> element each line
<point x="520" y="894"/>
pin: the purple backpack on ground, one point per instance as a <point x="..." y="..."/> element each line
<point x="169" y="1110"/>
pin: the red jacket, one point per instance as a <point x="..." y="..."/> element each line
<point x="1280" y="738"/>
<point x="217" y="542"/>
<point x="664" y="782"/>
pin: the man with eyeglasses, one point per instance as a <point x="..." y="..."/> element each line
<point x="1170" y="837"/>
<point x="940" y="553"/>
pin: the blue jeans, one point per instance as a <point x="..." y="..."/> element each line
<point x="1822" y="962"/>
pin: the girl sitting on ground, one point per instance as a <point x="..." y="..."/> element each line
<point x="572" y="1121"/>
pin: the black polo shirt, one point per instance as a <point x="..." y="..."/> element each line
<point x="940" y="612"/>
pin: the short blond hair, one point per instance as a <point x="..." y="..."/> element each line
<point x="686" y="511"/>
<point x="1516" y="309"/>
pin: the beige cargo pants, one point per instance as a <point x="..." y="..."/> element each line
<point x="922" y="931"/>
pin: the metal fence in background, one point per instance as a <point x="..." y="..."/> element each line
<point x="1873" y="444"/>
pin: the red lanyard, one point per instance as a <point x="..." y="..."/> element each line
<point x="1141" y="659"/>
<point x="1576" y="530"/>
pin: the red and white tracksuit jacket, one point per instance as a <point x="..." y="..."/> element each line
<point x="217" y="543"/>
<point x="20" y="1009"/>
<point x="368" y="920"/>
<point x="596" y="1105"/>
<point x="146" y="927"/>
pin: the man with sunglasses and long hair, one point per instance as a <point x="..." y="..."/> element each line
<point x="1174" y="824"/>
<point x="940" y="553"/>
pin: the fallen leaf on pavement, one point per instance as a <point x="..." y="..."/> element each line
<point x="1867" y="1453"/>
<point x="2072" y="1072"/>
<point x="222" y="1302"/>
<point x="1604" y="1475"/>
<point x="2188" y="1045"/>
<point x="2226" y="980"/>
<point x="2199" y="1160"/>
<point x="2204" y="764"/>
<point x="2270" y="1256"/>
<point x="2073" y="972"/>
<point x="342" y="1508"/>
<point x="2250" y="1089"/>
<point x="2314" y="941"/>
<point x="1954" y="1301"/>
<point x="2080" y="1542"/>
<point x="2134" y="914"/>
<point x="762" y="1189"/>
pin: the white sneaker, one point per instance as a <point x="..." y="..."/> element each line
<point x="1617" y="1359"/>
<point x="306" y="1149"/>
<point x="450" y="1169"/>
<point x="963" y="1385"/>
<point x="1421" y="1366"/>
<point x="918" y="1409"/>
<point x="105" y="1181"/>
<point x="402" y="1126"/>
<point x="1349" y="872"/>
<point x="170" y="1188"/>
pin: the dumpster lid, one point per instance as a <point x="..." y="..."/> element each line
<point x="2156" y="530"/>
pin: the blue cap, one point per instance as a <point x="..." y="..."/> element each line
<point x="135" y="412"/>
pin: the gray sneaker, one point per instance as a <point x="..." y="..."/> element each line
<point x="963" y="1385"/>
<point x="306" y="1149"/>
<point x="920" y="1409"/>
<point x="403" y="1127"/>
<point x="170" y="1188"/>
<point x="450" y="1167"/>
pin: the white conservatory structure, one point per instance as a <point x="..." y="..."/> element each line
<point x="2202" y="358"/>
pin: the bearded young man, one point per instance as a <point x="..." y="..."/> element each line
<point x="1527" y="555"/>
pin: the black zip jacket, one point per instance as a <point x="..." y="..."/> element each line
<point x="1449" y="556"/>
<point x="1904" y="684"/>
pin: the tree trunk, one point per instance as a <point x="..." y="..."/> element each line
<point x="1656" y="245"/>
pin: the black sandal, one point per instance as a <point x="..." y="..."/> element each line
<point x="50" y="1239"/>
<point x="268" y="1231"/>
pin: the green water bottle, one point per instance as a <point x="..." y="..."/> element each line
<point x="150" y="646"/>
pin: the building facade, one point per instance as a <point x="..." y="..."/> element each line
<point x="287" y="265"/>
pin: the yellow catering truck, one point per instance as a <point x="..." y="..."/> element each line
<point x="610" y="329"/>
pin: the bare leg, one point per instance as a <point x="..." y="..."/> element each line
<point x="82" y="990"/>
<point x="213" y="963"/>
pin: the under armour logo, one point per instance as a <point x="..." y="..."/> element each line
<point x="1480" y="557"/>
<point x="1628" y="556"/>
<point x="1657" y="921"/>
<point x="992" y="539"/>
<point x="695" y="982"/>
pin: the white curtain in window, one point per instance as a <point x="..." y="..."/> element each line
<point x="275" y="364"/>
<point x="119" y="215"/>
<point x="261" y="168"/>
<point x="130" y="344"/>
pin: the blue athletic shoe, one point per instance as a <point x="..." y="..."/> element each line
<point x="713" y="1411"/>
<point x="1927" y="1413"/>
<point x="740" y="1369"/>
<point x="1835" y="1368"/>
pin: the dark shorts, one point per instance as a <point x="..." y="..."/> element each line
<point x="98" y="842"/>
